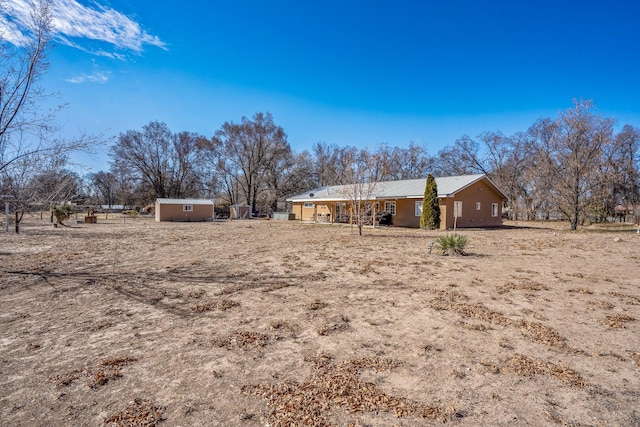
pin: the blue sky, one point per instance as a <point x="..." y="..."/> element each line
<point x="358" y="73"/>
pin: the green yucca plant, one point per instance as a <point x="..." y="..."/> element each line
<point x="452" y="244"/>
<point x="62" y="212"/>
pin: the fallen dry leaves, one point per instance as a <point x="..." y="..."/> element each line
<point x="336" y="385"/>
<point x="140" y="413"/>
<point x="528" y="366"/>
<point x="242" y="339"/>
<point x="98" y="375"/>
<point x="222" y="304"/>
<point x="618" y="320"/>
<point x="534" y="331"/>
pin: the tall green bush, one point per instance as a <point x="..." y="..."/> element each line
<point x="430" y="217"/>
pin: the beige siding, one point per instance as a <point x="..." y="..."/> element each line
<point x="480" y="193"/>
<point x="406" y="213"/>
<point x="319" y="211"/>
<point x="175" y="212"/>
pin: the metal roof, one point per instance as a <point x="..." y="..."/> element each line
<point x="403" y="189"/>
<point x="184" y="201"/>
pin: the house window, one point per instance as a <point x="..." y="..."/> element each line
<point x="477" y="206"/>
<point x="418" y="208"/>
<point x="457" y="209"/>
<point x="187" y="208"/>
<point x="494" y="209"/>
<point x="308" y="204"/>
<point x="390" y="207"/>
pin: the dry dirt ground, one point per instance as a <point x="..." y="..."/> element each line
<point x="273" y="323"/>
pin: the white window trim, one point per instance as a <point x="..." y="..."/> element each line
<point x="416" y="209"/>
<point x="495" y="209"/>
<point x="393" y="210"/>
<point x="187" y="208"/>
<point x="457" y="208"/>
<point x="308" y="205"/>
<point x="478" y="206"/>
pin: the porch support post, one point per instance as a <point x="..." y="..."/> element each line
<point x="375" y="214"/>
<point x="332" y="211"/>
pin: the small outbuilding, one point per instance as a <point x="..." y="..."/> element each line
<point x="184" y="210"/>
<point x="240" y="212"/>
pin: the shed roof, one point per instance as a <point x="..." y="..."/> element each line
<point x="403" y="189"/>
<point x="163" y="201"/>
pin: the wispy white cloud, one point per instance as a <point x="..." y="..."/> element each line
<point x="11" y="32"/>
<point x="74" y="21"/>
<point x="95" y="77"/>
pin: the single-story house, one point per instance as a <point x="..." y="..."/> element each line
<point x="184" y="210"/>
<point x="466" y="200"/>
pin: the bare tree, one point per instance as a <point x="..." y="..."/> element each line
<point x="166" y="164"/>
<point x="506" y="161"/>
<point x="571" y="150"/>
<point x="626" y="169"/>
<point x="27" y="129"/>
<point x="104" y="186"/>
<point x="400" y="163"/>
<point x="361" y="173"/>
<point x="462" y="158"/>
<point x="37" y="181"/>
<point x="331" y="163"/>
<point x="253" y="151"/>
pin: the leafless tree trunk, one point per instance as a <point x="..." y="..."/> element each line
<point x="361" y="173"/>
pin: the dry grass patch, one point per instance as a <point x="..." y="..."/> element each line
<point x="245" y="340"/>
<point x="473" y="311"/>
<point x="580" y="291"/>
<point x="533" y="313"/>
<point x="276" y="286"/>
<point x="524" y="285"/>
<point x="95" y="376"/>
<point x="197" y="294"/>
<point x="140" y="413"/>
<point x="282" y="329"/>
<point x="335" y="386"/>
<point x="628" y="299"/>
<point x="473" y="326"/>
<point x="534" y="331"/>
<point x="528" y="367"/>
<point x="541" y="334"/>
<point x="337" y="325"/>
<point x="602" y="305"/>
<point x="223" y="305"/>
<point x="618" y="320"/>
<point x="240" y="287"/>
<point x="617" y="356"/>
<point x="316" y="305"/>
<point x="577" y="275"/>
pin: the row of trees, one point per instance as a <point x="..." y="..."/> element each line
<point x="575" y="165"/>
<point x="248" y="162"/>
